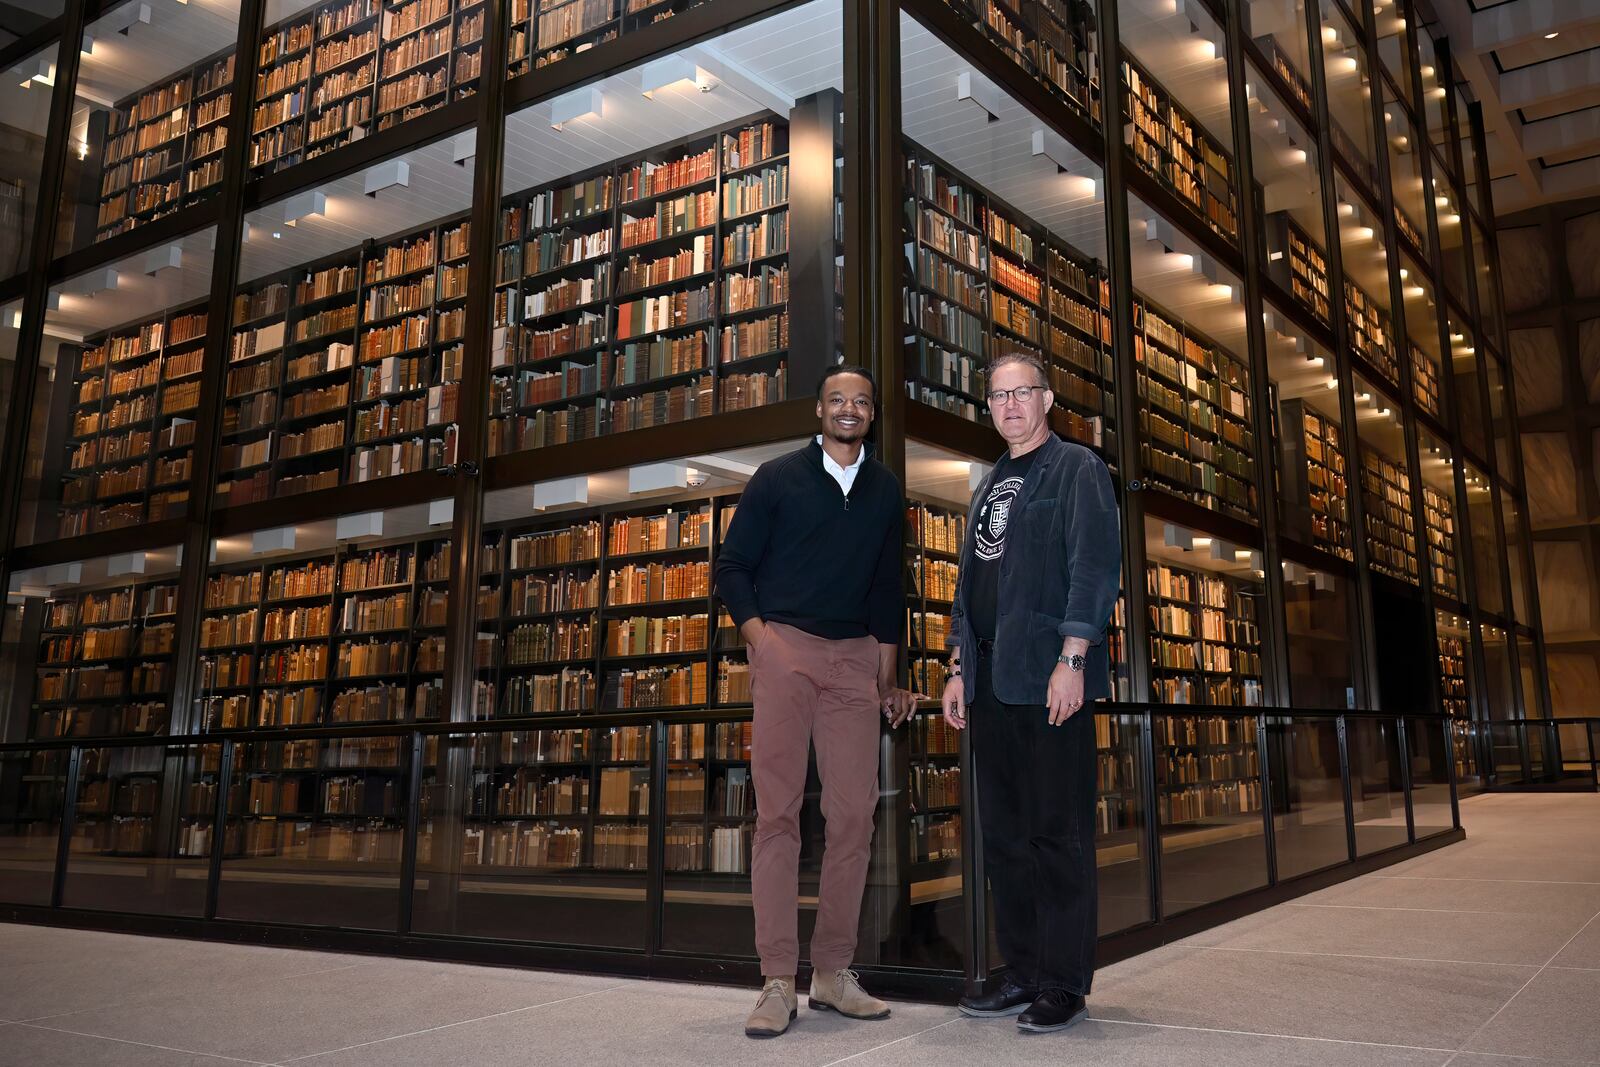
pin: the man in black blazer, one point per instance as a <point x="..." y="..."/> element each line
<point x="1040" y="574"/>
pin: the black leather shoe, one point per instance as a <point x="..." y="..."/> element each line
<point x="1008" y="999"/>
<point x="1052" y="1009"/>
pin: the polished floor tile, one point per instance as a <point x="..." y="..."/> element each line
<point x="1557" y="1016"/>
<point x="28" y="1046"/>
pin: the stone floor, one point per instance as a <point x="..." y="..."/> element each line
<point x="1487" y="952"/>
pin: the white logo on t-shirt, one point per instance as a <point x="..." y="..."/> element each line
<point x="993" y="517"/>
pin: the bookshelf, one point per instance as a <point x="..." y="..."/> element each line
<point x="105" y="661"/>
<point x="981" y="280"/>
<point x="118" y="802"/>
<point x="347" y="369"/>
<point x="1425" y="382"/>
<point x="1195" y="433"/>
<point x="711" y="803"/>
<point x="1391" y="533"/>
<point x="1453" y="677"/>
<point x="350" y="635"/>
<point x="651" y="291"/>
<point x="350" y="68"/>
<point x="1439" y="523"/>
<point x="1313" y="479"/>
<point x="1297" y="264"/>
<point x="1280" y="63"/>
<point x="1170" y="144"/>
<point x="1208" y="773"/>
<point x="162" y="146"/>
<point x="1052" y="40"/>
<point x="122" y="435"/>
<point x="1369" y="335"/>
<point x="1205" y="640"/>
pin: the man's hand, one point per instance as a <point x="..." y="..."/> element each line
<point x="955" y="703"/>
<point x="1065" y="695"/>
<point x="899" y="704"/>
<point x="754" y="630"/>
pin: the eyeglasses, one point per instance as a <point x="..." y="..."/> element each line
<point x="1022" y="394"/>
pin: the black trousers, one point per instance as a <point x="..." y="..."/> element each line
<point x="1036" y="805"/>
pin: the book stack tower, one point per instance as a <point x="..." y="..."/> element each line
<point x="127" y="425"/>
<point x="1196" y="437"/>
<point x="649" y="292"/>
<point x="347" y="369"/>
<point x="1205" y="641"/>
<point x="1425" y="382"/>
<point x="982" y="282"/>
<point x="105" y="662"/>
<point x="1440" y="525"/>
<point x="1208" y="772"/>
<point x="1370" y="335"/>
<point x="1391" y="531"/>
<point x="162" y="147"/>
<point x="1173" y="146"/>
<point x="1313" y="478"/>
<point x="1052" y="40"/>
<point x="1298" y="265"/>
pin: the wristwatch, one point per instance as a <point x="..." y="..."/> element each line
<point x="1074" y="662"/>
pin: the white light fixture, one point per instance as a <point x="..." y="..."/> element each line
<point x="277" y="539"/>
<point x="1552" y="36"/>
<point x="127" y="563"/>
<point x="1177" y="537"/>
<point x="665" y="72"/>
<point x="978" y="91"/>
<point x="356" y="527"/>
<point x="1159" y="231"/>
<point x="96" y="281"/>
<point x="651" y="477"/>
<point x="304" y="205"/>
<point x="560" y="491"/>
<point x="386" y="175"/>
<point x="124" y="18"/>
<point x="45" y="74"/>
<point x="87" y="47"/>
<point x="16" y="318"/>
<point x="167" y="257"/>
<point x="580" y="103"/>
<point x="464" y="148"/>
<point x="441" y="512"/>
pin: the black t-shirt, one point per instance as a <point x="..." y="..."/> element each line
<point x="989" y="541"/>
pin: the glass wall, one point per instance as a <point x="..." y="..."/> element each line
<point x="1394" y="45"/>
<point x="1485" y="542"/>
<point x="114" y="405"/>
<point x="1278" y="30"/>
<point x="1289" y="200"/>
<point x="1442" y="525"/>
<point x="1312" y="447"/>
<point x="149" y="118"/>
<point x="1364" y="254"/>
<point x="1405" y="173"/>
<point x="1422" y="339"/>
<point x="25" y="103"/>
<point x="1345" y="64"/>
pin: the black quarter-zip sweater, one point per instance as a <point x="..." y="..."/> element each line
<point x="801" y="552"/>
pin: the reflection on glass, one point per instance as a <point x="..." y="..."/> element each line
<point x="94" y="643"/>
<point x="1204" y="596"/>
<point x="1385" y="485"/>
<point x="1468" y="384"/>
<point x="1365" y="257"/>
<point x="1285" y="159"/>
<point x="1516" y="558"/>
<point x="1053" y="42"/>
<point x="1452" y="236"/>
<point x="1120" y="850"/>
<point x="315" y="830"/>
<point x="344" y="359"/>
<point x="1344" y="60"/>
<point x="1464" y="96"/>
<point x="1501" y="696"/>
<point x="644" y="271"/>
<point x="1312" y="475"/>
<point x="1499" y="409"/>
<point x="316" y="629"/>
<point x="1377" y="785"/>
<point x="142" y="829"/>
<point x="1307" y="795"/>
<point x="331" y="73"/>
<point x="1533" y="689"/>
<point x="31" y="794"/>
<point x="1278" y="28"/>
<point x="1488" y="282"/>
<point x="1422" y="338"/>
<point x="1209" y="791"/>
<point x="552" y="844"/>
<point x="1002" y="254"/>
<point x="115" y="406"/>
<point x="1318" y="609"/>
<point x="1405" y="173"/>
<point x="1394" y="48"/>
<point x="1174" y="71"/>
<point x="1439" y="516"/>
<point x="1427" y="742"/>
<point x="1435" y="110"/>
<point x="1486" y="556"/>
<point x="25" y="104"/>
<point x="150" y="119"/>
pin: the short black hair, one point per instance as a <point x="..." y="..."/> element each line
<point x="846" y="368"/>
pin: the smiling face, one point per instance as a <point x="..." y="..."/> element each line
<point x="846" y="408"/>
<point x="1019" y="421"/>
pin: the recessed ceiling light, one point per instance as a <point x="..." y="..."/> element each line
<point x="1552" y="36"/>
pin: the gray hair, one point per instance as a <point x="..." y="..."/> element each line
<point x="1025" y="359"/>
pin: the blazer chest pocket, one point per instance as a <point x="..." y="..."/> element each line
<point x="1038" y="520"/>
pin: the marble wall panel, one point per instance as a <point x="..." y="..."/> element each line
<point x="1538" y="369"/>
<point x="1566" y="588"/>
<point x="1589" y="356"/>
<point x="1527" y="270"/>
<point x="1552" y="477"/>
<point x="1574" y="682"/>
<point x="1583" y="255"/>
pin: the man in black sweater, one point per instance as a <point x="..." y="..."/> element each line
<point x="810" y="572"/>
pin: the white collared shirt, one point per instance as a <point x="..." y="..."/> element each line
<point x="845" y="476"/>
